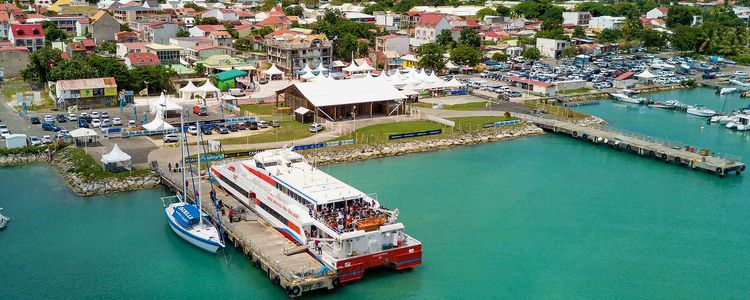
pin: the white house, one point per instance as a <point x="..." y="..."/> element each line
<point x="577" y="18"/>
<point x="550" y="47"/>
<point x="657" y="13"/>
<point x="223" y="15"/>
<point x="428" y="27"/>
<point x="606" y="22"/>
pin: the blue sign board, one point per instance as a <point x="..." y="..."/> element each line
<point x="310" y="146"/>
<point x="207" y="157"/>
<point x="414" y="134"/>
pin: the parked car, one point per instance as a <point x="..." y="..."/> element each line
<point x="35" y="120"/>
<point x="116" y="122"/>
<point x="72" y="117"/>
<point x="94" y="114"/>
<point x="106" y="122"/>
<point x="275" y="123"/>
<point x="83" y="115"/>
<point x="131" y="123"/>
<point x="200" y="110"/>
<point x="206" y="130"/>
<point x="237" y="92"/>
<point x="96" y="123"/>
<point x="315" y="127"/>
<point x="4" y="133"/>
<point x="172" y="138"/>
<point x="48" y="118"/>
<point x="232" y="127"/>
<point x="192" y="130"/>
<point x="241" y="126"/>
<point x="251" y="125"/>
<point x="61" y="118"/>
<point x="262" y="124"/>
<point x="82" y="123"/>
<point x="35" y="141"/>
<point x="221" y="129"/>
<point x="50" y="126"/>
<point x="104" y="115"/>
<point x="46" y="139"/>
<point x="62" y="133"/>
<point x="104" y="127"/>
<point x="263" y="80"/>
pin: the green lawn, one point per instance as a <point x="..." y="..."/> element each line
<point x="85" y="165"/>
<point x="575" y="91"/>
<point x="379" y="133"/>
<point x="260" y="109"/>
<point x="10" y="96"/>
<point x="290" y="130"/>
<point x="464" y="106"/>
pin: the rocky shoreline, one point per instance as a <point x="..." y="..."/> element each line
<point x="651" y="89"/>
<point x="21" y="159"/>
<point x="365" y="151"/>
<point x="88" y="186"/>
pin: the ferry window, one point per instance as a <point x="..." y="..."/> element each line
<point x="296" y="160"/>
<point x="271" y="164"/>
<point x="259" y="165"/>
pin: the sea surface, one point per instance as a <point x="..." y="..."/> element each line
<point x="536" y="217"/>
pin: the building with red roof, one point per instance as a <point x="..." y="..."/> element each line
<point x="657" y="13"/>
<point x="30" y="36"/>
<point x="540" y="87"/>
<point x="429" y="26"/>
<point x="160" y="31"/>
<point x="141" y="59"/>
<point x="203" y="52"/>
<point x="204" y="30"/>
<point x="126" y="37"/>
<point x="392" y="42"/>
<point x="4" y="24"/>
<point x="276" y="22"/>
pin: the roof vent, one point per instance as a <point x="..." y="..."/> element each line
<point x="19" y="31"/>
<point x="35" y="31"/>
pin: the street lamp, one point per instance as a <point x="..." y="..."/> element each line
<point x="354" y="116"/>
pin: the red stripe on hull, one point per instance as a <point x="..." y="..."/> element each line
<point x="399" y="259"/>
<point x="260" y="175"/>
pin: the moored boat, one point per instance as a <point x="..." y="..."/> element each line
<point x="662" y="105"/>
<point x="629" y="99"/>
<point x="701" y="111"/>
<point x="347" y="230"/>
<point x="3" y="221"/>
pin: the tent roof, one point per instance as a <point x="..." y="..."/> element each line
<point x="157" y="124"/>
<point x="352" y="91"/>
<point x="306" y="68"/>
<point x="231" y="74"/>
<point x="308" y="75"/>
<point x="164" y="104"/>
<point x="208" y="87"/>
<point x="116" y="155"/>
<point x="83" y="132"/>
<point x="451" y="65"/>
<point x="302" y="110"/>
<point x="645" y="74"/>
<point x="189" y="87"/>
<point x="273" y="70"/>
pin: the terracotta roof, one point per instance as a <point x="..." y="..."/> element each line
<point x="204" y="47"/>
<point x="123" y="34"/>
<point x="276" y="11"/>
<point x="91" y="83"/>
<point x="88" y="43"/>
<point x="496" y="35"/>
<point x="211" y="27"/>
<point x="390" y="36"/>
<point x="243" y="13"/>
<point x="27" y="30"/>
<point x="281" y="31"/>
<point x="663" y="9"/>
<point x="143" y="59"/>
<point x="4" y="17"/>
<point x="530" y="81"/>
<point x="625" y="75"/>
<point x="77" y="46"/>
<point x="97" y="16"/>
<point x="64" y="55"/>
<point x="135" y="45"/>
<point x="274" y="20"/>
<point x="35" y="16"/>
<point x="83" y="21"/>
<point x="14" y="48"/>
<point x="8" y="7"/>
<point x="157" y="23"/>
<point x="430" y="19"/>
<point x="242" y="26"/>
<point x="220" y="33"/>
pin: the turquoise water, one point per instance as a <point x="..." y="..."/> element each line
<point x="538" y="217"/>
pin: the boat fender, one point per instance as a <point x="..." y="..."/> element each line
<point x="627" y="147"/>
<point x="295" y="291"/>
<point x="719" y="171"/>
<point x="276" y="280"/>
<point x="742" y="168"/>
<point x="677" y="160"/>
<point x="664" y="156"/>
<point x="257" y="263"/>
<point x="651" y="153"/>
<point x="575" y="133"/>
<point x="585" y="136"/>
<point x="336" y="282"/>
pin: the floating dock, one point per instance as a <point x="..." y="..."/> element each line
<point x="296" y="273"/>
<point x="643" y="146"/>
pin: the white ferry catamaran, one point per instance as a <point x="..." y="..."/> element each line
<point x="343" y="227"/>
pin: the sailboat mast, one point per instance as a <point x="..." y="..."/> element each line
<point x="198" y="192"/>
<point x="182" y="156"/>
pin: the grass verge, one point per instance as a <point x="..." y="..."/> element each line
<point x="463" y="106"/>
<point x="85" y="165"/>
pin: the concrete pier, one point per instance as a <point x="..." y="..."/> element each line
<point x="643" y="146"/>
<point x="260" y="243"/>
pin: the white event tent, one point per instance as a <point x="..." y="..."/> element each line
<point x="111" y="159"/>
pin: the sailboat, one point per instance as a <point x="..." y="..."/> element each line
<point x="186" y="219"/>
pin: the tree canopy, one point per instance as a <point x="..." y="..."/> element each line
<point x="431" y="56"/>
<point x="52" y="33"/>
<point x="531" y="54"/>
<point x="345" y="34"/>
<point x="465" y="55"/>
<point x="539" y="9"/>
<point x="469" y="37"/>
<point x="40" y="65"/>
<point x="445" y="38"/>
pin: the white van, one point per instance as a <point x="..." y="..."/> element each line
<point x="237" y="92"/>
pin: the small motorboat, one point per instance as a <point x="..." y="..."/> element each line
<point x="3" y="221"/>
<point x="724" y="91"/>
<point x="701" y="111"/>
<point x="663" y="105"/>
<point x="745" y="94"/>
<point x="629" y="99"/>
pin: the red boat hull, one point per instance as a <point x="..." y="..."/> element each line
<point x="399" y="259"/>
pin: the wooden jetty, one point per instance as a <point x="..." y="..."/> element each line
<point x="259" y="242"/>
<point x="579" y="103"/>
<point x="643" y="146"/>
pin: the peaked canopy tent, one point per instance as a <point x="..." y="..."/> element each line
<point x="111" y="160"/>
<point x="157" y="124"/>
<point x="335" y="100"/>
<point x="84" y="136"/>
<point x="645" y="76"/>
<point x="307" y="76"/>
<point x="188" y="91"/>
<point x="208" y="89"/>
<point x="164" y="105"/>
<point x="274" y="73"/>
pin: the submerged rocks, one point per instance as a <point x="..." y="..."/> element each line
<point x="366" y="151"/>
<point x="20" y="159"/>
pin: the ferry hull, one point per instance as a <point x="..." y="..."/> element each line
<point x="399" y="258"/>
<point x="209" y="246"/>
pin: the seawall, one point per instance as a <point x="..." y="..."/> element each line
<point x="358" y="152"/>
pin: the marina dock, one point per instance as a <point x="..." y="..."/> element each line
<point x="259" y="242"/>
<point x="644" y="146"/>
